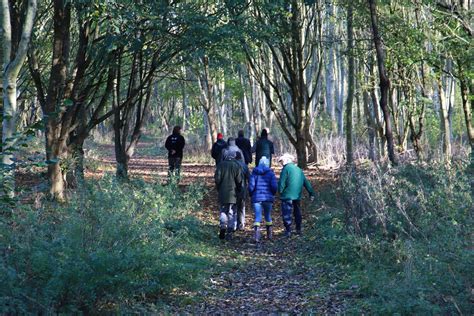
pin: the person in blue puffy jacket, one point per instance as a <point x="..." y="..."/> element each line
<point x="262" y="188"/>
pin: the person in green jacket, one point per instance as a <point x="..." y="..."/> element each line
<point x="290" y="187"/>
<point x="228" y="179"/>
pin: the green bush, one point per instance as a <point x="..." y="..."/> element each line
<point x="404" y="239"/>
<point x="111" y="245"/>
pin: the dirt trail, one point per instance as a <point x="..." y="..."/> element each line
<point x="274" y="276"/>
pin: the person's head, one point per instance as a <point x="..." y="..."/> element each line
<point x="264" y="162"/>
<point x="231" y="141"/>
<point x="264" y="133"/>
<point x="241" y="133"/>
<point x="220" y="136"/>
<point x="177" y="130"/>
<point x="286" y="158"/>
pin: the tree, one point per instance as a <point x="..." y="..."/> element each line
<point x="289" y="44"/>
<point x="350" y="92"/>
<point x="384" y="81"/>
<point x="14" y="55"/>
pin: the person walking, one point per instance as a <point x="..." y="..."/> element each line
<point x="218" y="147"/>
<point x="242" y="197"/>
<point x="290" y="187"/>
<point x="262" y="188"/>
<point x="245" y="146"/>
<point x="263" y="147"/>
<point x="175" y="144"/>
<point x="232" y="147"/>
<point x="228" y="180"/>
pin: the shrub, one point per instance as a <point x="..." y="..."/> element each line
<point x="407" y="239"/>
<point x="112" y="243"/>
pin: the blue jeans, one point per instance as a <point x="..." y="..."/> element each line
<point x="286" y="208"/>
<point x="267" y="208"/>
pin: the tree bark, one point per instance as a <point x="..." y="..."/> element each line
<point x="350" y="88"/>
<point x="384" y="83"/>
<point x="14" y="55"/>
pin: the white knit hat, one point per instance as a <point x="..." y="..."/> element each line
<point x="286" y="158"/>
<point x="264" y="161"/>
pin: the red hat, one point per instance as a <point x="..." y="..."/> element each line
<point x="220" y="136"/>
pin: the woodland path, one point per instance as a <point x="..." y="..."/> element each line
<point x="272" y="277"/>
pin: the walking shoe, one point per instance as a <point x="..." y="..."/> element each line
<point x="228" y="236"/>
<point x="298" y="232"/>
<point x="257" y="234"/>
<point x="222" y="234"/>
<point x="269" y="232"/>
<point x="287" y="233"/>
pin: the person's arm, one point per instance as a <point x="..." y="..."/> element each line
<point x="282" y="181"/>
<point x="273" y="183"/>
<point x="251" y="184"/>
<point x="183" y="142"/>
<point x="272" y="150"/>
<point x="214" y="151"/>
<point x="168" y="143"/>
<point x="217" y="178"/>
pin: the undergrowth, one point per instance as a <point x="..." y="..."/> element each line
<point x="400" y="239"/>
<point x="111" y="247"/>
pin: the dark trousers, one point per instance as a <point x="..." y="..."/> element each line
<point x="286" y="209"/>
<point x="240" y="223"/>
<point x="174" y="166"/>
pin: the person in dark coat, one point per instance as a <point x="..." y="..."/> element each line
<point x="175" y="144"/>
<point x="244" y="145"/>
<point x="228" y="179"/>
<point x="262" y="188"/>
<point x="290" y="187"/>
<point x="263" y="147"/>
<point x="218" y="147"/>
<point x="240" y="222"/>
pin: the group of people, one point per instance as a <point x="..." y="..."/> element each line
<point x="235" y="183"/>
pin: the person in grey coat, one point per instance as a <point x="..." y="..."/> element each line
<point x="232" y="150"/>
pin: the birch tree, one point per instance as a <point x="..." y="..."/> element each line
<point x="14" y="55"/>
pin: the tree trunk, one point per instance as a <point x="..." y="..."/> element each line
<point x="14" y="54"/>
<point x="384" y="83"/>
<point x="445" y="123"/>
<point x="350" y="89"/>
<point x="329" y="75"/>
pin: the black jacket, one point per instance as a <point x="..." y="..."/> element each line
<point x="244" y="145"/>
<point x="217" y="148"/>
<point x="263" y="147"/>
<point x="175" y="142"/>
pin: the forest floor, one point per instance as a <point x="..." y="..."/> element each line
<point x="271" y="277"/>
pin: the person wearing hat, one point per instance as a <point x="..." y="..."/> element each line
<point x="228" y="179"/>
<point x="175" y="144"/>
<point x="263" y="147"/>
<point x="244" y="145"/>
<point x="232" y="148"/>
<point x="290" y="187"/>
<point x="217" y="148"/>
<point x="262" y="188"/>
